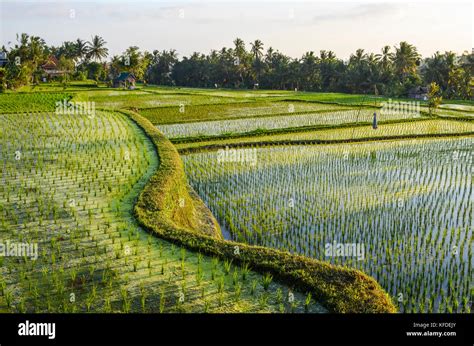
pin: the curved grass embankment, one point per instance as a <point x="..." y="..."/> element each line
<point x="160" y="209"/>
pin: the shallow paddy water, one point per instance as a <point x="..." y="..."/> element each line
<point x="68" y="185"/>
<point x="405" y="208"/>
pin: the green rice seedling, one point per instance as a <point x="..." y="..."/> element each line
<point x="307" y="302"/>
<point x="466" y="305"/>
<point x="253" y="287"/>
<point x="235" y="277"/>
<point x="199" y="277"/>
<point x="91" y="270"/>
<point x="227" y="266"/>
<point x="207" y="306"/>
<point x="162" y="301"/>
<point x="21" y="305"/>
<point x="238" y="292"/>
<point x="8" y="295"/>
<point x="281" y="308"/>
<point x="263" y="300"/>
<point x="143" y="297"/>
<point x="279" y="296"/>
<point x="221" y="298"/>
<point x="293" y="306"/>
<point x="266" y="281"/>
<point x="87" y="241"/>
<point x="215" y="262"/>
<point x="126" y="300"/>
<point x="389" y="186"/>
<point x="220" y="285"/>
<point x="107" y="305"/>
<point x="3" y="286"/>
<point x="245" y="269"/>
<point x="89" y="302"/>
<point x="213" y="273"/>
<point x="135" y="265"/>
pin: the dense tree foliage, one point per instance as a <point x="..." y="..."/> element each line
<point x="393" y="71"/>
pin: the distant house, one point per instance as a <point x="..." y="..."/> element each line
<point x="419" y="93"/>
<point x="124" y="80"/>
<point x="3" y="59"/>
<point x="51" y="67"/>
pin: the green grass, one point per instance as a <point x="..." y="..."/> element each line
<point x="57" y="86"/>
<point x="406" y="202"/>
<point x="114" y="99"/>
<point x="69" y="185"/>
<point x="31" y="102"/>
<point x="338" y="288"/>
<point x="233" y="111"/>
<point x="211" y="274"/>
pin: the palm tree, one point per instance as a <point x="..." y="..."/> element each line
<point x="359" y="57"/>
<point x="439" y="68"/>
<point x="239" y="47"/>
<point x="257" y="52"/>
<point x="331" y="55"/>
<point x="309" y="72"/>
<point x="241" y="63"/>
<point x="405" y="59"/>
<point x="269" y="55"/>
<point x="96" y="48"/>
<point x="257" y="49"/>
<point x="385" y="58"/>
<point x="80" y="49"/>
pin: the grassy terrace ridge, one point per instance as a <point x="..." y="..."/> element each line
<point x="189" y="150"/>
<point x="285" y="130"/>
<point x="233" y="110"/>
<point x="421" y="128"/>
<point x="339" y="289"/>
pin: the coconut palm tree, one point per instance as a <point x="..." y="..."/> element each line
<point x="96" y="48"/>
<point x="359" y="57"/>
<point x="257" y="52"/>
<point x="239" y="47"/>
<point x="241" y="62"/>
<point x="405" y="59"/>
<point x="80" y="49"/>
<point x="385" y="58"/>
<point x="256" y="49"/>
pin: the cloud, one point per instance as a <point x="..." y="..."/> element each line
<point x="362" y="11"/>
<point x="87" y="10"/>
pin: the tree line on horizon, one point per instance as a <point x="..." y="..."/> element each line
<point x="394" y="71"/>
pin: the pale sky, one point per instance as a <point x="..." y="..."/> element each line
<point x="293" y="27"/>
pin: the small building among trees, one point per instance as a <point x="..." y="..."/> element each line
<point x="419" y="93"/>
<point x="124" y="80"/>
<point x="3" y="59"/>
<point x="51" y="67"/>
